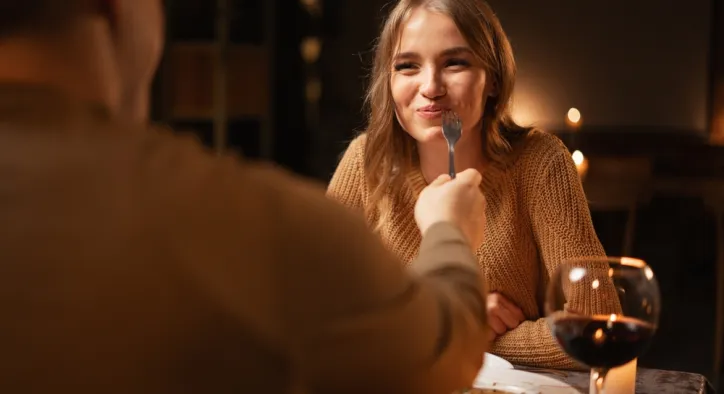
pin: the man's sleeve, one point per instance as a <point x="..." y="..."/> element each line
<point x="360" y="322"/>
<point x="311" y="281"/>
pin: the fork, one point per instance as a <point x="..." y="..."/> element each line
<point x="452" y="128"/>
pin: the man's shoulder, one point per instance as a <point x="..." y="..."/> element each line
<point x="176" y="179"/>
<point x="181" y="163"/>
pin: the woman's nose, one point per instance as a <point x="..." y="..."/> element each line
<point x="433" y="85"/>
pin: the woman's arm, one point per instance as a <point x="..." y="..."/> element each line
<point x="562" y="227"/>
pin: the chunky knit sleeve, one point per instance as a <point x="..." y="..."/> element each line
<point x="348" y="182"/>
<point x="562" y="228"/>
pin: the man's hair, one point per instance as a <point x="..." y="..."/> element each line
<point x="34" y="15"/>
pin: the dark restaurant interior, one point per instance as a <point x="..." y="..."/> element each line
<point x="635" y="89"/>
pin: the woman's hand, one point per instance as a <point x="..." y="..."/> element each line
<point x="503" y="314"/>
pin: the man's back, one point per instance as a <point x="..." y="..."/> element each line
<point x="102" y="236"/>
<point x="131" y="261"/>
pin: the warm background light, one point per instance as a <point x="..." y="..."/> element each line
<point x="526" y="109"/>
<point x="312" y="6"/>
<point x="310" y="48"/>
<point x="574" y="115"/>
<point x="581" y="163"/>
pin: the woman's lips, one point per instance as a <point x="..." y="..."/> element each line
<point x="430" y="111"/>
<point x="430" y="114"/>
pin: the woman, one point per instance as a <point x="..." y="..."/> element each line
<point x="440" y="55"/>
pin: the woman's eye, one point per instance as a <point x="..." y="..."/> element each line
<point x="403" y="66"/>
<point x="457" y="63"/>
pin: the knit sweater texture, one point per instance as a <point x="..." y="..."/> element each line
<point x="537" y="216"/>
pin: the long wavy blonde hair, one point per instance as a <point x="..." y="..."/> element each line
<point x="390" y="152"/>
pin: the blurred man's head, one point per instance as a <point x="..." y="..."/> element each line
<point x="117" y="43"/>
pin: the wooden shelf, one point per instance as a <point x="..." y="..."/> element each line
<point x="226" y="101"/>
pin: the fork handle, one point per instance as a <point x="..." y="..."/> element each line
<point x="451" y="158"/>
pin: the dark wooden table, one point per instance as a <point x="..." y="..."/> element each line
<point x="648" y="381"/>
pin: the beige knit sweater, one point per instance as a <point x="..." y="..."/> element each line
<point x="537" y="215"/>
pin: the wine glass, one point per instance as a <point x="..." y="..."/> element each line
<point x="603" y="311"/>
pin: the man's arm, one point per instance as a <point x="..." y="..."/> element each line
<point x="364" y="323"/>
<point x="307" y="277"/>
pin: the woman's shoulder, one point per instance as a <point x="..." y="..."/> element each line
<point x="352" y="153"/>
<point x="539" y="140"/>
<point x="539" y="147"/>
<point x="359" y="142"/>
<point x="356" y="147"/>
<point x="351" y="160"/>
<point x="348" y="180"/>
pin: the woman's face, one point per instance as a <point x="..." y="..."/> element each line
<point x="435" y="70"/>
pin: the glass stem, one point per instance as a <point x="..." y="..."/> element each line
<point x="598" y="379"/>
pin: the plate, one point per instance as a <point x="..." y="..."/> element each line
<point x="493" y="361"/>
<point x="511" y="381"/>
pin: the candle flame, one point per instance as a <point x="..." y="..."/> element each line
<point x="574" y="115"/>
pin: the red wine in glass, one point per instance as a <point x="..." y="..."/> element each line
<point x="603" y="341"/>
<point x="603" y="311"/>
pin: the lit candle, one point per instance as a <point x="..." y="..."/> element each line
<point x="581" y="163"/>
<point x="621" y="380"/>
<point x="574" y="115"/>
<point x="574" y="119"/>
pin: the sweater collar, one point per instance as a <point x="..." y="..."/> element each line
<point x="491" y="178"/>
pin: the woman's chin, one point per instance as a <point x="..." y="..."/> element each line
<point x="428" y="134"/>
